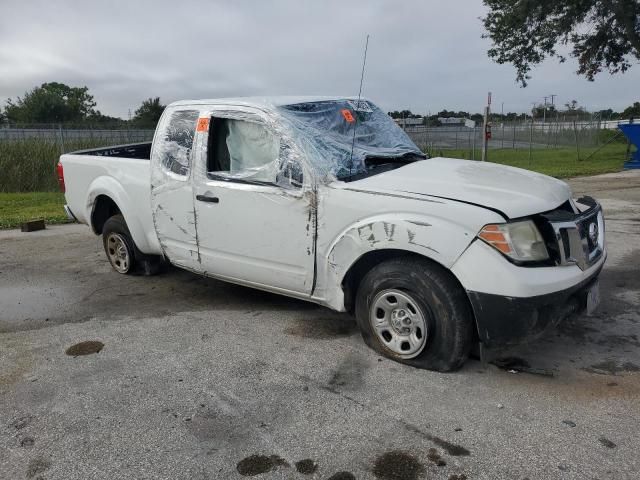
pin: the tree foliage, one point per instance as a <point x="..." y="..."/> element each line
<point x="149" y="112"/>
<point x="403" y="114"/>
<point x="632" y="111"/>
<point x="51" y="103"/>
<point x="602" y="34"/>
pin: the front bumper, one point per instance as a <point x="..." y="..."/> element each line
<point x="504" y="321"/>
<point x="514" y="303"/>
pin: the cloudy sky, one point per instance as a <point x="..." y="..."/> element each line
<point x="423" y="55"/>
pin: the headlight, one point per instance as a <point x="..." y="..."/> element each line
<point x="520" y="241"/>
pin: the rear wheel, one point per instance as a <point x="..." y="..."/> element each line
<point x="415" y="312"/>
<point x="118" y="245"/>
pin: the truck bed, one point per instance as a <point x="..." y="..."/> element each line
<point x="124" y="176"/>
<point x="139" y="151"/>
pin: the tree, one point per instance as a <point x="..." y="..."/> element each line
<point x="149" y="112"/>
<point x="539" y="111"/>
<point x="572" y="106"/>
<point x="632" y="111"/>
<point x="603" y="34"/>
<point x="98" y="118"/>
<point x="403" y="114"/>
<point x="51" y="102"/>
<point x="607" y="114"/>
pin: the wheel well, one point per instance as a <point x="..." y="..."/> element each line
<point x="361" y="267"/>
<point x="366" y="262"/>
<point x="103" y="209"/>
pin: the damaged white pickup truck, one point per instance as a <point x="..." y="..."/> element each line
<point x="327" y="200"/>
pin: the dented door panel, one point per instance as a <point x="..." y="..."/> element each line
<point x="258" y="234"/>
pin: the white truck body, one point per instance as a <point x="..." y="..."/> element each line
<point x="301" y="239"/>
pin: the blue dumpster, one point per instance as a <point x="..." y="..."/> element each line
<point x="632" y="132"/>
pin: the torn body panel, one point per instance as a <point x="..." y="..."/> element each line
<point x="425" y="228"/>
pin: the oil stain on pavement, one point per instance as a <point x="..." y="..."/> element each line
<point x="435" y="458"/>
<point x="37" y="466"/>
<point x="258" y="464"/>
<point x="330" y="328"/>
<point x="342" y="476"/>
<point x="84" y="348"/>
<point x="398" y="465"/>
<point x="306" y="466"/>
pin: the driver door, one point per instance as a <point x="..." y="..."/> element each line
<point x="254" y="224"/>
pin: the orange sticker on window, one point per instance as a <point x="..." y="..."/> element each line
<point x="347" y="115"/>
<point x="203" y="124"/>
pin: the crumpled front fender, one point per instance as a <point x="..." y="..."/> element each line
<point x="435" y="238"/>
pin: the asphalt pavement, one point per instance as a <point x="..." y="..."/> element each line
<point x="192" y="378"/>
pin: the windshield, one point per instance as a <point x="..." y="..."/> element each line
<point x="328" y="126"/>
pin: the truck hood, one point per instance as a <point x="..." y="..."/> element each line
<point x="513" y="191"/>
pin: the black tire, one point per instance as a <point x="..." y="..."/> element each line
<point x="118" y="244"/>
<point x="440" y="302"/>
<point x="139" y="262"/>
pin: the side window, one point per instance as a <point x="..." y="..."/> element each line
<point x="175" y="150"/>
<point x="241" y="150"/>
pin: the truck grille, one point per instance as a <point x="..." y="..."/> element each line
<point x="579" y="237"/>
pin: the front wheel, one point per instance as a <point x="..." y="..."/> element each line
<point x="415" y="312"/>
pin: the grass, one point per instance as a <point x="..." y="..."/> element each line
<point x="556" y="162"/>
<point x="28" y="165"/>
<point x="16" y="208"/>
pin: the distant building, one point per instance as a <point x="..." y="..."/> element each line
<point x="409" y="122"/>
<point x="457" y="121"/>
<point x="451" y="120"/>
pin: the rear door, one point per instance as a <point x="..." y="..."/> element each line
<point x="171" y="188"/>
<point x="254" y="212"/>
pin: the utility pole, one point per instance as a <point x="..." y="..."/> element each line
<point x="544" y="115"/>
<point x="502" y="122"/>
<point x="486" y="131"/>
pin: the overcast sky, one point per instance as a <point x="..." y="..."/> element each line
<point x="423" y="55"/>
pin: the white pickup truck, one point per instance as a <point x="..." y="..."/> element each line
<point x="327" y="200"/>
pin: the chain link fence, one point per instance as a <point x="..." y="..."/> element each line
<point x="28" y="153"/>
<point x="514" y="135"/>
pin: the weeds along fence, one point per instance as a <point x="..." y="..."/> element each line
<point x="29" y="153"/>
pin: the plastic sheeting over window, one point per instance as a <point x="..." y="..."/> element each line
<point x="177" y="141"/>
<point x="251" y="148"/>
<point x="326" y="131"/>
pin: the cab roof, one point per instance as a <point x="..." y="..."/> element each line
<point x="264" y="102"/>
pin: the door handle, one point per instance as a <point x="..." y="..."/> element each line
<point x="205" y="198"/>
